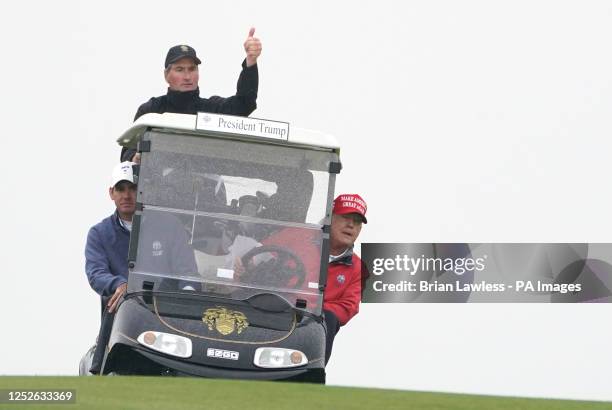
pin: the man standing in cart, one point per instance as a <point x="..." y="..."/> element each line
<point x="183" y="96"/>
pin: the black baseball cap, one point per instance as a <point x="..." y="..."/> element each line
<point x="181" y="51"/>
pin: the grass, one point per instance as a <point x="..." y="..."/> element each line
<point x="149" y="393"/>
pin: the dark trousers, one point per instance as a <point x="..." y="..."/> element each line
<point x="332" y="326"/>
<point x="103" y="335"/>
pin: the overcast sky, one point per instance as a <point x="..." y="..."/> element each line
<point x="471" y="121"/>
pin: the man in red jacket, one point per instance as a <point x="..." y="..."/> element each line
<point x="345" y="279"/>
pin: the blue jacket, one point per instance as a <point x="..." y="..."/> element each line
<point x="106" y="255"/>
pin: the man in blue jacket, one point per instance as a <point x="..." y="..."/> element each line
<point x="106" y="251"/>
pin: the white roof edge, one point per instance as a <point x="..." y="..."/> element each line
<point x="187" y="122"/>
<point x="313" y="137"/>
<point x="166" y="120"/>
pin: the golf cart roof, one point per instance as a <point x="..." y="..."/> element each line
<point x="188" y="123"/>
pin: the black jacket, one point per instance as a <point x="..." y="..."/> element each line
<point x="189" y="102"/>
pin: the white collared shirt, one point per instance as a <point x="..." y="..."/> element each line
<point x="333" y="258"/>
<point x="126" y="224"/>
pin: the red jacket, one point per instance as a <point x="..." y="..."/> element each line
<point x="343" y="291"/>
<point x="344" y="277"/>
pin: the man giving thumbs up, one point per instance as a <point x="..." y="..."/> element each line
<point x="182" y="74"/>
<point x="252" y="46"/>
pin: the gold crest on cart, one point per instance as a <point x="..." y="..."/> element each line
<point x="225" y="321"/>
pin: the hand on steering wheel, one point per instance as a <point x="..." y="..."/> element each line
<point x="276" y="271"/>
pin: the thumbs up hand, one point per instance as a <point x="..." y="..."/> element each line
<point x="252" y="47"/>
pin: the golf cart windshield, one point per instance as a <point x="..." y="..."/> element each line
<point x="231" y="218"/>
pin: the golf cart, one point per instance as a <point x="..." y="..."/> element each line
<point x="228" y="251"/>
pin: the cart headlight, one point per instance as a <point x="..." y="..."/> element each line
<point x="166" y="343"/>
<point x="276" y="357"/>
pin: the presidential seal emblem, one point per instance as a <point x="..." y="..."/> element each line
<point x="225" y="321"/>
<point x="157" y="249"/>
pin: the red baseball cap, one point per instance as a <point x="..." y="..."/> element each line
<point x="350" y="204"/>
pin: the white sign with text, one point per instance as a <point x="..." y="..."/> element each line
<point x="243" y="126"/>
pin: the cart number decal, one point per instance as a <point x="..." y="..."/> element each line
<point x="222" y="354"/>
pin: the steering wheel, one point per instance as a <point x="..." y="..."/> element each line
<point x="276" y="270"/>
